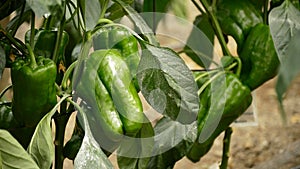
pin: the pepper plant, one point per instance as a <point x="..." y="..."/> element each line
<point x="84" y="60"/>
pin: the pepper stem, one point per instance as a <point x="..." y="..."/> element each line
<point x="33" y="63"/>
<point x="216" y="25"/>
<point x="226" y="148"/>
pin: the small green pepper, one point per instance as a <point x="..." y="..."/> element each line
<point x="233" y="101"/>
<point x="115" y="75"/>
<point x="259" y="58"/>
<point x="34" y="92"/>
<point x="7" y="119"/>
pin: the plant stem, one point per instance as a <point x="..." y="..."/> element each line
<point x="59" y="34"/>
<point x="216" y="26"/>
<point x="32" y="32"/>
<point x="67" y="75"/>
<point x="266" y="5"/>
<point x="198" y="6"/>
<point x="61" y="120"/>
<point x="226" y="148"/>
<point x="5" y="90"/>
<point x="33" y="63"/>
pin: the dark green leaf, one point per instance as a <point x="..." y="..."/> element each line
<point x="42" y="7"/>
<point x="19" y="19"/>
<point x="199" y="46"/>
<point x="2" y="61"/>
<point x="12" y="153"/>
<point x="172" y="141"/>
<point x="139" y="22"/>
<point x="135" y="152"/>
<point x="41" y="147"/>
<point x="116" y="11"/>
<point x="157" y="7"/>
<point x="168" y="84"/>
<point x="285" y="28"/>
<point x="8" y="6"/>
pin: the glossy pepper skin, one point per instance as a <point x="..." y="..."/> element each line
<point x="119" y="38"/>
<point x="94" y="93"/>
<point x="237" y="17"/>
<point x="44" y="45"/>
<point x="34" y="92"/>
<point x="115" y="75"/>
<point x="234" y="100"/>
<point x="259" y="58"/>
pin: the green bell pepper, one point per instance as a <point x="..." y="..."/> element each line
<point x="237" y="17"/>
<point x="115" y="75"/>
<point x="259" y="58"/>
<point x="227" y="104"/>
<point x="34" y="92"/>
<point x="92" y="90"/>
<point x="116" y="37"/>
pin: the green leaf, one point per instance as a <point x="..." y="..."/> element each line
<point x="42" y="7"/>
<point x="2" y="61"/>
<point x="157" y="8"/>
<point x="136" y="152"/>
<point x="116" y="11"/>
<point x="90" y="154"/>
<point x="172" y="141"/>
<point x="199" y="46"/>
<point x="168" y="84"/>
<point x="285" y="28"/>
<point x="8" y="6"/>
<point x="0" y="161"/>
<point x="289" y="68"/>
<point x="41" y="147"/>
<point x="12" y="153"/>
<point x="139" y="22"/>
<point x="92" y="13"/>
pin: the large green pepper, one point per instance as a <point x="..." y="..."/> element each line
<point x="259" y="58"/>
<point x="116" y="77"/>
<point x="94" y="93"/>
<point x="234" y="99"/>
<point x="116" y="37"/>
<point x="7" y="119"/>
<point x="34" y="92"/>
<point x="237" y="17"/>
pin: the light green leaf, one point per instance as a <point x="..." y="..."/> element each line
<point x="168" y="84"/>
<point x="90" y="154"/>
<point x="92" y="14"/>
<point x="13" y="154"/>
<point x="42" y="7"/>
<point x="41" y="147"/>
<point x="139" y="22"/>
<point x="285" y="30"/>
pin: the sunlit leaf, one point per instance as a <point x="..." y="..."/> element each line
<point x="13" y="154"/>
